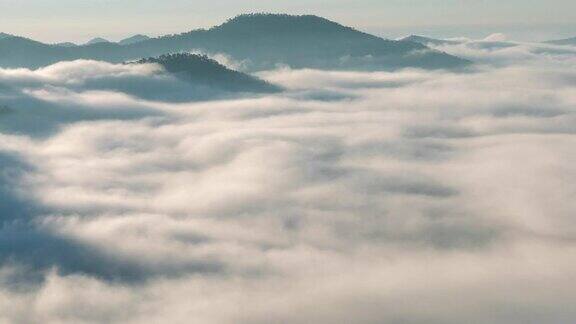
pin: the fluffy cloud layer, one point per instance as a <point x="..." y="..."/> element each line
<point x="405" y="197"/>
<point x="496" y="50"/>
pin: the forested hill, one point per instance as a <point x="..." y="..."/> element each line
<point x="201" y="70"/>
<point x="261" y="41"/>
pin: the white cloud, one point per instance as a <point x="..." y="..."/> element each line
<point x="408" y="197"/>
<point x="497" y="51"/>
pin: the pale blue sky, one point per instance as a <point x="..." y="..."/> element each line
<point x="79" y="20"/>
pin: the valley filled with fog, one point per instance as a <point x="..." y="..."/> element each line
<point x="130" y="195"/>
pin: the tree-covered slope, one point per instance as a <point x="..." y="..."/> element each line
<point x="261" y="41"/>
<point x="201" y="70"/>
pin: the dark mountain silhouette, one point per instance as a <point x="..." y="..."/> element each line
<point x="201" y="70"/>
<point x="429" y="41"/>
<point x="261" y="41"/>
<point x="134" y="39"/>
<point x="97" y="40"/>
<point x="567" y="41"/>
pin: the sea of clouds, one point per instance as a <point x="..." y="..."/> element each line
<point x="388" y="197"/>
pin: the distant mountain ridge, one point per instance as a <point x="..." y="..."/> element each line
<point x="66" y="44"/>
<point x="566" y="41"/>
<point x="263" y="41"/>
<point x="429" y="41"/>
<point x="97" y="40"/>
<point x="134" y="39"/>
<point x="480" y="44"/>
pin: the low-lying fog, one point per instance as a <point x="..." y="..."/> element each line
<point x="387" y="197"/>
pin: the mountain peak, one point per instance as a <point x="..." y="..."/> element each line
<point x="259" y="42"/>
<point x="97" y="40"/>
<point x="200" y="69"/>
<point x="280" y="23"/>
<point x="134" y="39"/>
<point x="259" y="17"/>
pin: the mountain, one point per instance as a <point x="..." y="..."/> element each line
<point x="429" y="41"/>
<point x="23" y="52"/>
<point x="567" y="41"/>
<point x="260" y="41"/>
<point x="201" y="70"/>
<point x="133" y="40"/>
<point x="66" y="44"/>
<point x="97" y="40"/>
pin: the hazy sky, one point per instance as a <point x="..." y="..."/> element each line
<point x="79" y="20"/>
